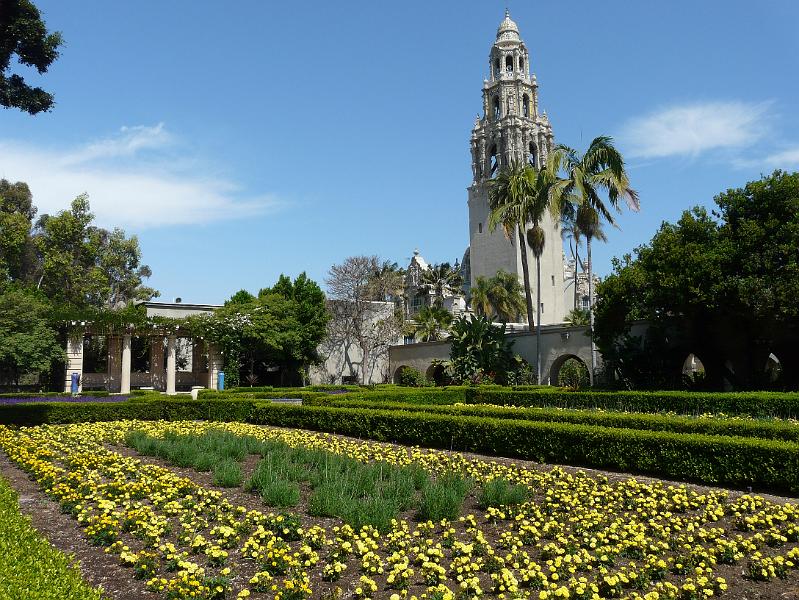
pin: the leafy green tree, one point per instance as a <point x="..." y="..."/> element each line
<point x="582" y="180"/>
<point x="83" y="265"/>
<point x="432" y="322"/>
<point x="28" y="345"/>
<point x="16" y="216"/>
<point x="480" y="349"/>
<point x="722" y="286"/>
<point x="23" y="35"/>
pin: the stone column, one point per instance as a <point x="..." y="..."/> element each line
<point x="157" y="363"/>
<point x="124" y="378"/>
<point x="214" y="366"/>
<point x="74" y="362"/>
<point x="171" y="356"/>
<point x="114" y="363"/>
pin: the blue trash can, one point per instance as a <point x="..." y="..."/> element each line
<point x="220" y="381"/>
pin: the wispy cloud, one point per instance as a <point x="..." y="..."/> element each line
<point x="692" y="129"/>
<point x="139" y="177"/>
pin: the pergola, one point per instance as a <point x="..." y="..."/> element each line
<point x="164" y="342"/>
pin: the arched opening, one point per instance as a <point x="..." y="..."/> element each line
<point x="494" y="162"/>
<point x="693" y="371"/>
<point x="773" y="368"/>
<point x="398" y="374"/>
<point x="532" y="155"/>
<point x="509" y="64"/>
<point x="569" y="371"/>
<point x="436" y="373"/>
<point x="496" y="67"/>
<point x="521" y="64"/>
<point x="496" y="107"/>
<point x="479" y="228"/>
<point x="526" y="105"/>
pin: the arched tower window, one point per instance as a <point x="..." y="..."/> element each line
<point x="509" y="63"/>
<point x="526" y="105"/>
<point x="531" y="155"/>
<point x="496" y="107"/>
<point x="496" y="67"/>
<point x="521" y="64"/>
<point x="494" y="161"/>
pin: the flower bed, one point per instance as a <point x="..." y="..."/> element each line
<point x="8" y="400"/>
<point x="568" y="535"/>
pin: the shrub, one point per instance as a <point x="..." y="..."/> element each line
<point x="573" y="375"/>
<point x="410" y="377"/>
<point x="227" y="473"/>
<point x="500" y="492"/>
<point x="443" y="498"/>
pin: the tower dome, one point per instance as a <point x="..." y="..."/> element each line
<point x="508" y="30"/>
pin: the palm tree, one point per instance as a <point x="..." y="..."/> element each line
<point x="441" y="277"/>
<point x="585" y="178"/>
<point x="431" y="322"/>
<point x="480" y="298"/>
<point x="511" y="198"/>
<point x="536" y="240"/>
<point x="569" y="230"/>
<point x="577" y="317"/>
<point x="507" y="296"/>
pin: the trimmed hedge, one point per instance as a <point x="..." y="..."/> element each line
<point x="715" y="460"/>
<point x="776" y="430"/>
<point x="30" y="566"/>
<point x="755" y="404"/>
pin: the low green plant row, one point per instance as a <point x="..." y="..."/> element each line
<point x="776" y="430"/>
<point x="89" y="393"/>
<point x="30" y="566"/>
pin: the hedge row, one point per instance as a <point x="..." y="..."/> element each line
<point x="776" y="430"/>
<point x="30" y="566"/>
<point x="715" y="460"/>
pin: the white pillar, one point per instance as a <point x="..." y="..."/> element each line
<point x="214" y="366"/>
<point x="74" y="362"/>
<point x="124" y="378"/>
<point x="171" y="355"/>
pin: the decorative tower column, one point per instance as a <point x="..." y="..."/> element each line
<point x="511" y="130"/>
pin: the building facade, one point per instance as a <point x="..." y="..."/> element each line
<point x="511" y="129"/>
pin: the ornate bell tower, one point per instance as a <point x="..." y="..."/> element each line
<point x="511" y="128"/>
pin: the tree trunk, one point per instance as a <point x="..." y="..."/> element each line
<point x="364" y="362"/>
<point x="526" y="276"/>
<point x="538" y="319"/>
<point x="576" y="266"/>
<point x="591" y="307"/>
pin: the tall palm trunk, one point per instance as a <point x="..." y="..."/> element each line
<point x="528" y="294"/>
<point x="576" y="266"/>
<point x="591" y="306"/>
<point x="538" y="319"/>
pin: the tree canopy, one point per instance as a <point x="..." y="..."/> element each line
<point x="721" y="285"/>
<point x="24" y="36"/>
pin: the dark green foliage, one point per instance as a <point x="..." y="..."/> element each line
<point x="479" y="349"/>
<point x="722" y="286"/>
<point x="501" y="492"/>
<point x="573" y="375"/>
<point x="410" y="377"/>
<point x="31" y="567"/>
<point x="23" y="36"/>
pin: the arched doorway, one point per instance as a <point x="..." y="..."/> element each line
<point x="398" y="374"/>
<point x="436" y="373"/>
<point x="569" y="370"/>
<point x="693" y="371"/>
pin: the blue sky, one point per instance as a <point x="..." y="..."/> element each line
<point x="280" y="137"/>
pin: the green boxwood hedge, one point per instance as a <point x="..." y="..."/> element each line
<point x="777" y="430"/>
<point x="30" y="566"/>
<point x="89" y="393"/>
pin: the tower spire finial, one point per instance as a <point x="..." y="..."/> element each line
<point x="507" y="12"/>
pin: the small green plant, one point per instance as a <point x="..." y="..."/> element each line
<point x="227" y="473"/>
<point x="501" y="492"/>
<point x="443" y="498"/>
